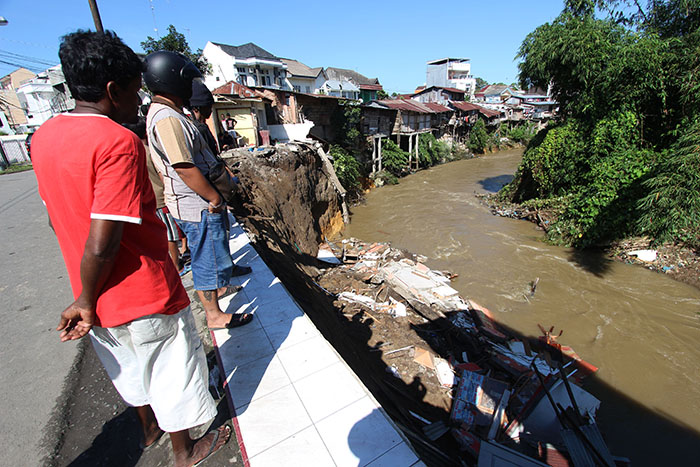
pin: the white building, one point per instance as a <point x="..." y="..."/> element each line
<point x="246" y="64"/>
<point x="302" y="78"/>
<point x="44" y="96"/>
<point x="451" y="73"/>
<point x="344" y="89"/>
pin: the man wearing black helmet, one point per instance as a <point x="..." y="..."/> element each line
<point x="184" y="159"/>
<point x="128" y="296"/>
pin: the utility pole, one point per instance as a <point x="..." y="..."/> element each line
<point x="96" y="15"/>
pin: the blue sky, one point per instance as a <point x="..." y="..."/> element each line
<point x="389" y="40"/>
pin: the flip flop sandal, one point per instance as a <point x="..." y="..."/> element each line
<point x="212" y="446"/>
<point x="240" y="270"/>
<point x="230" y="289"/>
<point x="185" y="269"/>
<point x="239" y="320"/>
<point x="143" y="447"/>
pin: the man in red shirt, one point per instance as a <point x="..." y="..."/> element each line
<point x="93" y="179"/>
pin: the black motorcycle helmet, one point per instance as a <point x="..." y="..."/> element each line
<point x="170" y="73"/>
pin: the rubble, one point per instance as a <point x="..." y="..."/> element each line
<point x="505" y="395"/>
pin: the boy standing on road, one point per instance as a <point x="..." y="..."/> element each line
<point x="92" y="177"/>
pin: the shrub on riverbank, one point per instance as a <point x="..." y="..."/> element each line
<point x="347" y="168"/>
<point x="624" y="159"/>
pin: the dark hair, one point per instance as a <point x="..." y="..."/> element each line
<point x="139" y="127"/>
<point x="91" y="59"/>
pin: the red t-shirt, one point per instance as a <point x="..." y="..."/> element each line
<point x="90" y="167"/>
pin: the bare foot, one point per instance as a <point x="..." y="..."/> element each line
<point x="205" y="446"/>
<point x="217" y="320"/>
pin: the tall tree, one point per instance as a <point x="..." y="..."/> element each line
<point x="175" y="41"/>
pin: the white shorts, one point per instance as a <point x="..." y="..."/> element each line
<point x="158" y="360"/>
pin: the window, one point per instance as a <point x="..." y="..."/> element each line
<point x="240" y="69"/>
<point x="243" y="79"/>
<point x="307" y="89"/>
<point x="297" y="88"/>
<point x="265" y="80"/>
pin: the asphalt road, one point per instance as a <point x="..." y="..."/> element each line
<point x="58" y="407"/>
<point x="34" y="289"/>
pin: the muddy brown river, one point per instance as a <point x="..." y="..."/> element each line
<point x="641" y="328"/>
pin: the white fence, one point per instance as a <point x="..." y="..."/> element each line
<point x="14" y="150"/>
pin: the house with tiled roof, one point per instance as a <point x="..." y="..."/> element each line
<point x="368" y="87"/>
<point x="247" y="64"/>
<point x="303" y="78"/>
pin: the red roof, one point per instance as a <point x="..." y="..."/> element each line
<point x="371" y="87"/>
<point x="235" y="89"/>
<point x="435" y="107"/>
<point x="488" y="112"/>
<point x="408" y="105"/>
<point x="466" y="106"/>
<point x="459" y="91"/>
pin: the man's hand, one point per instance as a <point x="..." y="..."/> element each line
<point x="76" y="321"/>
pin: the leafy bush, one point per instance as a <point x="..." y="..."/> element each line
<point x="347" y="167"/>
<point x="478" y="138"/>
<point x="345" y="122"/>
<point x="671" y="208"/>
<point x="522" y="133"/>
<point x="394" y="159"/>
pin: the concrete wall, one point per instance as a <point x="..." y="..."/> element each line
<point x="222" y="66"/>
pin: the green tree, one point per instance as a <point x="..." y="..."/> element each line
<point x="382" y="94"/>
<point x="394" y="159"/>
<point x="176" y="42"/>
<point x="347" y="167"/>
<point x="478" y="137"/>
<point x="480" y="83"/>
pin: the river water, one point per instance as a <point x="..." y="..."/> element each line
<point x="641" y="328"/>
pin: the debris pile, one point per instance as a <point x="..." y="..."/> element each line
<point x="503" y="396"/>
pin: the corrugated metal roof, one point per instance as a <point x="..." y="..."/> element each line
<point x="452" y="90"/>
<point x="438" y="108"/>
<point x="372" y="87"/>
<point x="408" y="105"/>
<point x="466" y="106"/>
<point x="233" y="88"/>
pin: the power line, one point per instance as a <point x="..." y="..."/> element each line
<point x="19" y="65"/>
<point x="28" y="58"/>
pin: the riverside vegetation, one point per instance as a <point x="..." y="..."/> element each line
<point x="623" y="159"/>
<point x="350" y="152"/>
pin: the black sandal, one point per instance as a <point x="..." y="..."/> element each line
<point x="239" y="319"/>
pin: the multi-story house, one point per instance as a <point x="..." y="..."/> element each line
<point x="302" y="78"/>
<point x="247" y="64"/>
<point x="451" y="73"/>
<point x="45" y="95"/>
<point x="9" y="102"/>
<point x="367" y="87"/>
